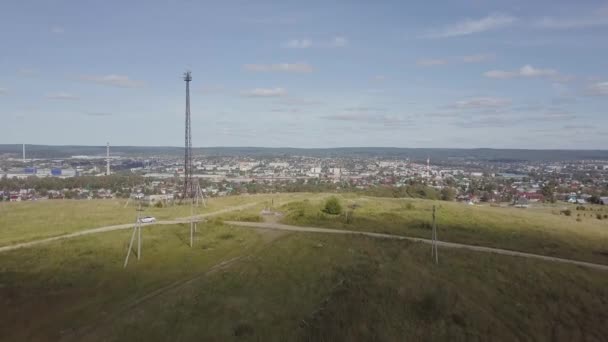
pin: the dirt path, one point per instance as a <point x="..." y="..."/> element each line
<point x="279" y="226"/>
<point x="123" y="226"/>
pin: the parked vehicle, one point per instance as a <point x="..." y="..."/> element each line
<point x="147" y="219"/>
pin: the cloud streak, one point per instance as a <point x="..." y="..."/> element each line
<point x="527" y="71"/>
<point x="373" y="119"/>
<point x="599" y="89"/>
<point x="482" y="102"/>
<point x="97" y="114"/>
<point x="431" y="62"/>
<point x="590" y="20"/>
<point x="265" y="92"/>
<point x="306" y="43"/>
<point x="298" y="44"/>
<point x="113" y="80"/>
<point x="57" y="30"/>
<point x="61" y="96"/>
<point x="471" y="26"/>
<point x="282" y="67"/>
<point x="477" y="58"/>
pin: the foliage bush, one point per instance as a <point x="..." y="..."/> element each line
<point x="567" y="212"/>
<point x="332" y="206"/>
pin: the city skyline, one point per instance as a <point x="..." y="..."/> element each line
<point x="467" y="74"/>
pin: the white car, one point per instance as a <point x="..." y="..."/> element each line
<point x="147" y="219"/>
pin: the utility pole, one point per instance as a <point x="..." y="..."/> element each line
<point x="136" y="232"/>
<point x="434" y="251"/>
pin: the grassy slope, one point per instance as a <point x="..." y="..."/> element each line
<point x="541" y="231"/>
<point x="305" y="287"/>
<point x="67" y="284"/>
<point x="25" y="221"/>
<point x="315" y="287"/>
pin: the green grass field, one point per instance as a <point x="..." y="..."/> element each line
<point x="26" y="221"/>
<point x="539" y="230"/>
<point x="240" y="284"/>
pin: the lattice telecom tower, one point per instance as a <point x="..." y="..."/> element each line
<point x="188" y="183"/>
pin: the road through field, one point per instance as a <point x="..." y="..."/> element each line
<point x="278" y="226"/>
<point x="124" y="226"/>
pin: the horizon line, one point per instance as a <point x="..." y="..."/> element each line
<point x="317" y="148"/>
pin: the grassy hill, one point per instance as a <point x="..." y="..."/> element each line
<point x="241" y="284"/>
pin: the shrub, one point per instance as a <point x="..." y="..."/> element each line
<point x="159" y="204"/>
<point x="578" y="219"/>
<point x="332" y="206"/>
<point x="567" y="212"/>
<point x="599" y="216"/>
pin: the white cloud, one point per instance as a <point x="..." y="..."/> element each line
<point x="57" y="30"/>
<point x="113" y="80"/>
<point x="364" y="109"/>
<point x="97" y="114"/>
<point x="470" y="26"/>
<point x="386" y="121"/>
<point x="599" y="88"/>
<point x="595" y="19"/>
<point x="431" y="62"/>
<point x="476" y="58"/>
<point x="61" y="96"/>
<point x="265" y="92"/>
<point x="27" y="72"/>
<point x="282" y="67"/>
<point x="379" y="78"/>
<point x="525" y="71"/>
<point x="339" y="42"/>
<point x="305" y="43"/>
<point x="482" y="102"/>
<point x="294" y="101"/>
<point x="3" y="91"/>
<point x="298" y="44"/>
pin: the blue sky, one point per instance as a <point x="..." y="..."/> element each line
<point x="500" y="74"/>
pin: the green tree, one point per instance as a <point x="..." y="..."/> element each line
<point x="548" y="193"/>
<point x="448" y="194"/>
<point x="333" y="206"/>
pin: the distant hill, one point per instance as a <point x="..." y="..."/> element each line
<point x="505" y="155"/>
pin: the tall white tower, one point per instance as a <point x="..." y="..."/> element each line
<point x="23" y="153"/>
<point x="428" y="166"/>
<point x="108" y="159"/>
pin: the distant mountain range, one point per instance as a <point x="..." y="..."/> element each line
<point x="49" y="151"/>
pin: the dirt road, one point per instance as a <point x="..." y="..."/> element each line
<point x="278" y="226"/>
